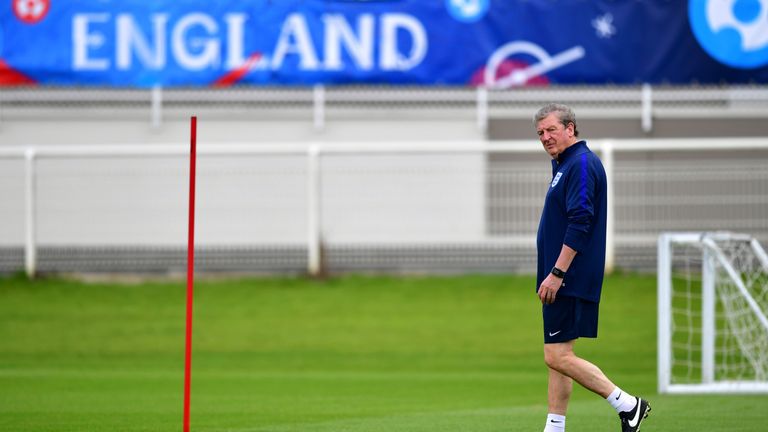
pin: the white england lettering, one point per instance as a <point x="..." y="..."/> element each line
<point x="196" y="42"/>
<point x="295" y="39"/>
<point x="130" y="40"/>
<point x="338" y="33"/>
<point x="391" y="58"/>
<point x="84" y="39"/>
<point x="235" y="38"/>
<point x="207" y="48"/>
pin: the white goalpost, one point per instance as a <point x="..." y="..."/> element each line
<point x="712" y="308"/>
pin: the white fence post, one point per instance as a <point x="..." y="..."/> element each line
<point x="647" y="110"/>
<point x="157" y="106"/>
<point x="30" y="216"/>
<point x="313" y="211"/>
<point x="610" y="226"/>
<point x="318" y="98"/>
<point x="482" y="108"/>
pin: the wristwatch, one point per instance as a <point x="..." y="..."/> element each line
<point x="558" y="273"/>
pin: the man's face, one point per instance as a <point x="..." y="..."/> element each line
<point x="553" y="135"/>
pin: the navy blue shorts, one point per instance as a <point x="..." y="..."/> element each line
<point x="569" y="318"/>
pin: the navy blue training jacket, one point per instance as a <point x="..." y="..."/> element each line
<point x="574" y="214"/>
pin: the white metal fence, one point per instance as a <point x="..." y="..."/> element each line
<point x="355" y="207"/>
<point x="322" y="104"/>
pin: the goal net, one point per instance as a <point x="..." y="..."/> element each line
<point x="712" y="308"/>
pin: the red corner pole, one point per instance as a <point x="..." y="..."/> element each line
<point x="190" y="271"/>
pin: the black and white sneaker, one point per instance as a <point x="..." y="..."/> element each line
<point x="630" y="420"/>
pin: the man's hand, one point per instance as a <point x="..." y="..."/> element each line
<point x="548" y="289"/>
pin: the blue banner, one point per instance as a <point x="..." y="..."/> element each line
<point x="500" y="43"/>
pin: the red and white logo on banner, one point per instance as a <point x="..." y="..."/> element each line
<point x="31" y="11"/>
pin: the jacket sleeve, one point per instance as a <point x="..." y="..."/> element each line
<point x="580" y="203"/>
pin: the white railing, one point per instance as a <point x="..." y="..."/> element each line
<point x="373" y="193"/>
<point x="643" y="102"/>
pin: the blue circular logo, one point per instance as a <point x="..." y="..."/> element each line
<point x="732" y="31"/>
<point x="468" y="10"/>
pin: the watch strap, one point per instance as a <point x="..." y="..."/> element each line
<point x="557" y="272"/>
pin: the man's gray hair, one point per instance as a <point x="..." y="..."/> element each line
<point x="564" y="113"/>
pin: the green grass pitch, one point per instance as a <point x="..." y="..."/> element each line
<point x="354" y="353"/>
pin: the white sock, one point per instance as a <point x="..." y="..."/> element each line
<point x="555" y="423"/>
<point x="621" y="400"/>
